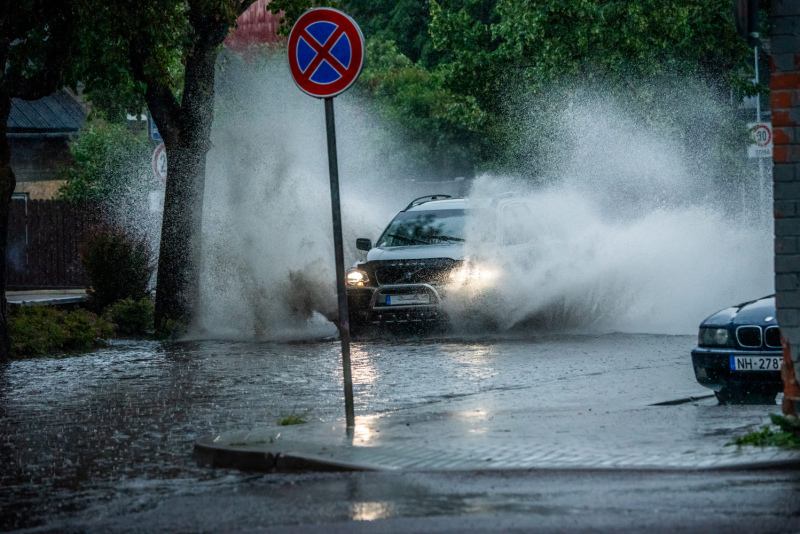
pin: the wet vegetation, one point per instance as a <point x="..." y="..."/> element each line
<point x="41" y="330"/>
<point x="293" y="418"/>
<point x="107" y="161"/>
<point x="784" y="432"/>
<point x="132" y="317"/>
<point x="119" y="265"/>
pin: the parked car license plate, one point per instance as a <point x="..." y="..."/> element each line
<point x="404" y="300"/>
<point x="756" y="363"/>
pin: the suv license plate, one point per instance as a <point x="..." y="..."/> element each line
<point x="405" y="300"/>
<point x="756" y="363"/>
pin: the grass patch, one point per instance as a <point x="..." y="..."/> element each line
<point x="294" y="418"/>
<point x="39" y="330"/>
<point x="786" y="434"/>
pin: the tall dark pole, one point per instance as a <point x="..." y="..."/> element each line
<point x="336" y="209"/>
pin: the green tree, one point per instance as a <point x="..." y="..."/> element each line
<point x="441" y="128"/>
<point x="107" y="162"/>
<point x="35" y="46"/>
<point x="491" y="45"/>
<point x="506" y="52"/>
<point x="165" y="51"/>
<point x="619" y="38"/>
<point x="455" y="78"/>
<point x="405" y="22"/>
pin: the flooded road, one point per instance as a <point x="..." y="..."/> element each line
<point x="115" y="428"/>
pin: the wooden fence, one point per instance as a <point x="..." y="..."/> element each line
<point x="45" y="238"/>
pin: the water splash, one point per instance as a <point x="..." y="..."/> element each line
<point x="632" y="230"/>
<point x="626" y="231"/>
<point x="268" y="265"/>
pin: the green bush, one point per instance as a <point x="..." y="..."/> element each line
<point x="132" y="317"/>
<point x="119" y="265"/>
<point x="38" y="330"/>
<point x="107" y="160"/>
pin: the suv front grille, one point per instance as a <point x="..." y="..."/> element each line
<point x="749" y="336"/>
<point x="772" y="337"/>
<point x="424" y="271"/>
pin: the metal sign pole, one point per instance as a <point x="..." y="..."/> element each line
<point x="344" y="322"/>
<point x="761" y="182"/>
<point x="325" y="63"/>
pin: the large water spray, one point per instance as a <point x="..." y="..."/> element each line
<point x="630" y="234"/>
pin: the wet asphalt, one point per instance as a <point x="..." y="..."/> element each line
<point x="102" y="441"/>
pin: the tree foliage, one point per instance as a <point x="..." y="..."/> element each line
<point x="404" y="22"/>
<point x="451" y="73"/>
<point x="107" y="162"/>
<point x="440" y="126"/>
<point x="589" y="39"/>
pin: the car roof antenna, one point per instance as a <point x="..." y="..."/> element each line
<point x="426" y="198"/>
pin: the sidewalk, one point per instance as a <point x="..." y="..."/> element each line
<point x="492" y="433"/>
<point x="48" y="297"/>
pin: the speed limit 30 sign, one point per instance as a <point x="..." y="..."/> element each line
<point x="761" y="135"/>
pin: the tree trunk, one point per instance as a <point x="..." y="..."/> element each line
<point x="187" y="140"/>
<point x="178" y="284"/>
<point x="7" y="184"/>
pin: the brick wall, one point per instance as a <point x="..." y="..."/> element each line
<point x="785" y="104"/>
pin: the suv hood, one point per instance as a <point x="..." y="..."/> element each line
<point x="416" y="252"/>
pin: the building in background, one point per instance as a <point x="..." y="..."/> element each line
<point x="38" y="132"/>
<point x="256" y="27"/>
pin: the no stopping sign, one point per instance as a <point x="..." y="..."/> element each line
<point x="326" y="52"/>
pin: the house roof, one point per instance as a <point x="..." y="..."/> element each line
<point x="58" y="113"/>
<point x="257" y="25"/>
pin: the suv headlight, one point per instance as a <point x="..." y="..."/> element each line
<point x="713" y="337"/>
<point x="473" y="274"/>
<point x="356" y="277"/>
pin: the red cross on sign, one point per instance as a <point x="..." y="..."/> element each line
<point x="326" y="52"/>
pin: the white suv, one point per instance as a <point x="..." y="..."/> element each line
<point x="420" y="257"/>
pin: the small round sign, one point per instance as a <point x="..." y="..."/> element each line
<point x="326" y="52"/>
<point x="160" y="163"/>
<point x="762" y="135"/>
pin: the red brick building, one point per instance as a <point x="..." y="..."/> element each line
<point x="785" y="104"/>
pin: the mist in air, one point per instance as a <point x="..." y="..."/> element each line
<point x="628" y="232"/>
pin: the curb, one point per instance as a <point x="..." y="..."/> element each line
<point x="269" y="462"/>
<point x="295" y="457"/>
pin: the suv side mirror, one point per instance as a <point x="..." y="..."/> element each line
<point x="363" y="244"/>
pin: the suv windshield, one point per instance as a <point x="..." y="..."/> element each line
<point x="438" y="227"/>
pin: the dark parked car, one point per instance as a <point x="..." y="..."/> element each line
<point x="739" y="353"/>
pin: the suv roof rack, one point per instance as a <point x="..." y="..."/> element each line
<point x="426" y="198"/>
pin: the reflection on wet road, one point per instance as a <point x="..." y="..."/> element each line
<point x="82" y="431"/>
